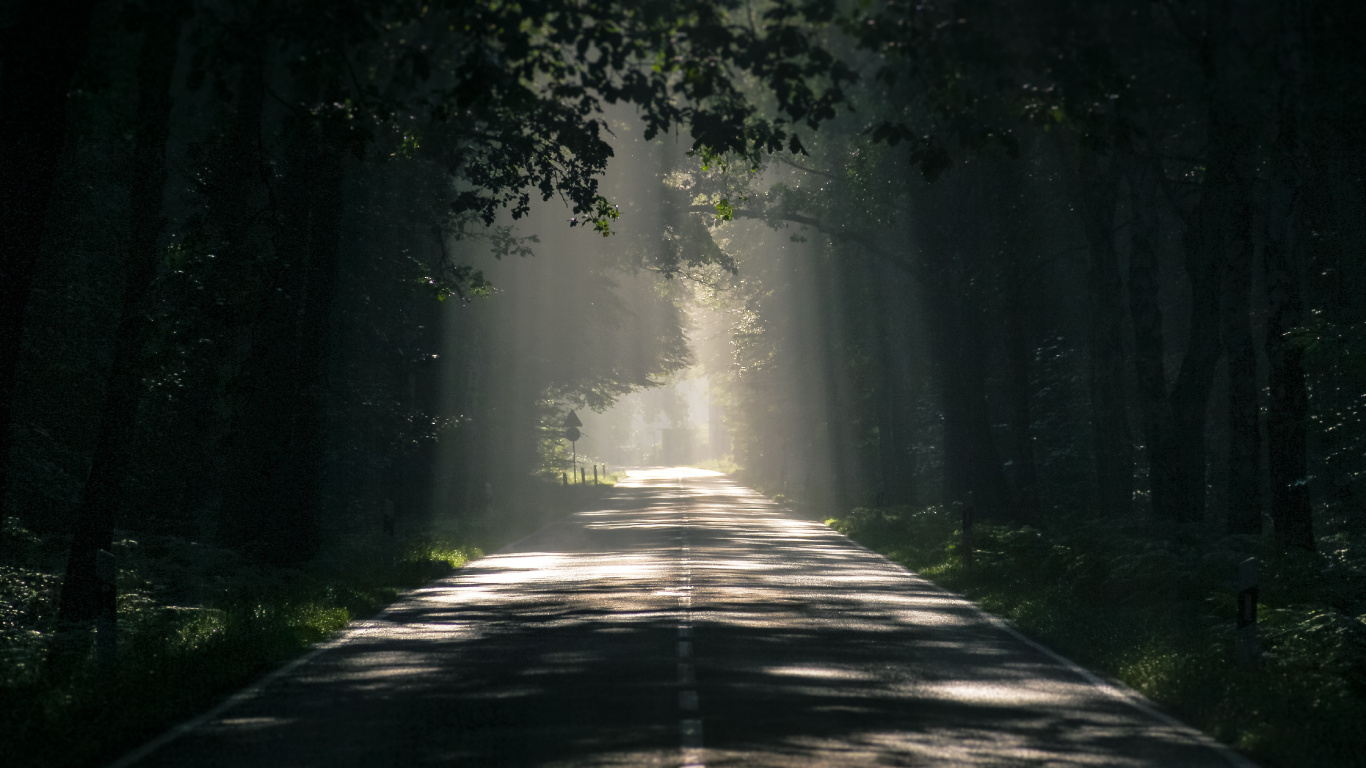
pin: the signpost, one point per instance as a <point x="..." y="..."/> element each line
<point x="572" y="434"/>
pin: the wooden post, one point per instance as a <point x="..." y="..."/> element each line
<point x="583" y="473"/>
<point x="1248" y="650"/>
<point x="595" y="474"/>
<point x="564" y="479"/>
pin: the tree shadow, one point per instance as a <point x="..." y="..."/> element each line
<point x="563" y="650"/>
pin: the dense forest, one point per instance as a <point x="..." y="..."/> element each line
<point x="287" y="284"/>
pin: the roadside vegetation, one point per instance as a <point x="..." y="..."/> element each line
<point x="1066" y="267"/>
<point x="724" y="464"/>
<point x="1156" y="610"/>
<point x="269" y="284"/>
<point x="197" y="622"/>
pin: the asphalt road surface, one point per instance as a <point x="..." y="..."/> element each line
<point x="686" y="622"/>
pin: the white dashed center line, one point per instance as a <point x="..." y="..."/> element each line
<point x="692" y="744"/>
<point x="689" y="727"/>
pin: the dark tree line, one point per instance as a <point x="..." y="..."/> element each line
<point x="1140" y="213"/>
<point x="1061" y="255"/>
<point x="262" y="204"/>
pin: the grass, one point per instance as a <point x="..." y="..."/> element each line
<point x="725" y="465"/>
<point x="197" y="623"/>
<point x="1155" y="610"/>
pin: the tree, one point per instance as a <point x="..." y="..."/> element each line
<point x="512" y="107"/>
<point x="39" y="54"/>
<point x="82" y="600"/>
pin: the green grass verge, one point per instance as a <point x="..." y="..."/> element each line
<point x="1156" y="611"/>
<point x="725" y="465"/>
<point x="197" y="623"/>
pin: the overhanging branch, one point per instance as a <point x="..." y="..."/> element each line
<point x="769" y="217"/>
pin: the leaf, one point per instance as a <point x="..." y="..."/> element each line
<point x="724" y="210"/>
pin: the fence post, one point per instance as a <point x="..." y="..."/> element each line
<point x="564" y="479"/>
<point x="595" y="474"/>
<point x="1248" y="650"/>
<point x="583" y="476"/>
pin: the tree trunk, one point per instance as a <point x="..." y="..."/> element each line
<point x="1021" y="420"/>
<point x="1096" y="192"/>
<point x="1287" y="413"/>
<point x="897" y="467"/>
<point x="953" y="293"/>
<point x="1244" y="489"/>
<point x="1216" y="240"/>
<point x="275" y="504"/>
<point x="1015" y="245"/>
<point x="1216" y="246"/>
<point x="971" y="462"/>
<point x="1190" y="396"/>
<point x="82" y="600"/>
<point x="1159" y="428"/>
<point x="38" y="57"/>
<point x="837" y="462"/>
<point x="1174" y="422"/>
<point x="234" y="196"/>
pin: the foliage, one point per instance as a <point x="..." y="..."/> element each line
<point x="197" y="622"/>
<point x="945" y="314"/>
<point x="1155" y="609"/>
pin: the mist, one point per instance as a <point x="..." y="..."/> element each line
<point x="1060" y="307"/>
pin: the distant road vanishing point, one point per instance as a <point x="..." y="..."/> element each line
<point x="688" y="621"/>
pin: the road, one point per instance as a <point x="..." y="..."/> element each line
<point x="686" y="622"/>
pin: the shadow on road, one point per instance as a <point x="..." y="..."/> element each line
<point x="562" y="650"/>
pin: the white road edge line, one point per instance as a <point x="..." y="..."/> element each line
<point x="689" y="729"/>
<point x="1112" y="688"/>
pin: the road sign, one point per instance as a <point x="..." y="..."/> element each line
<point x="572" y="434"/>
